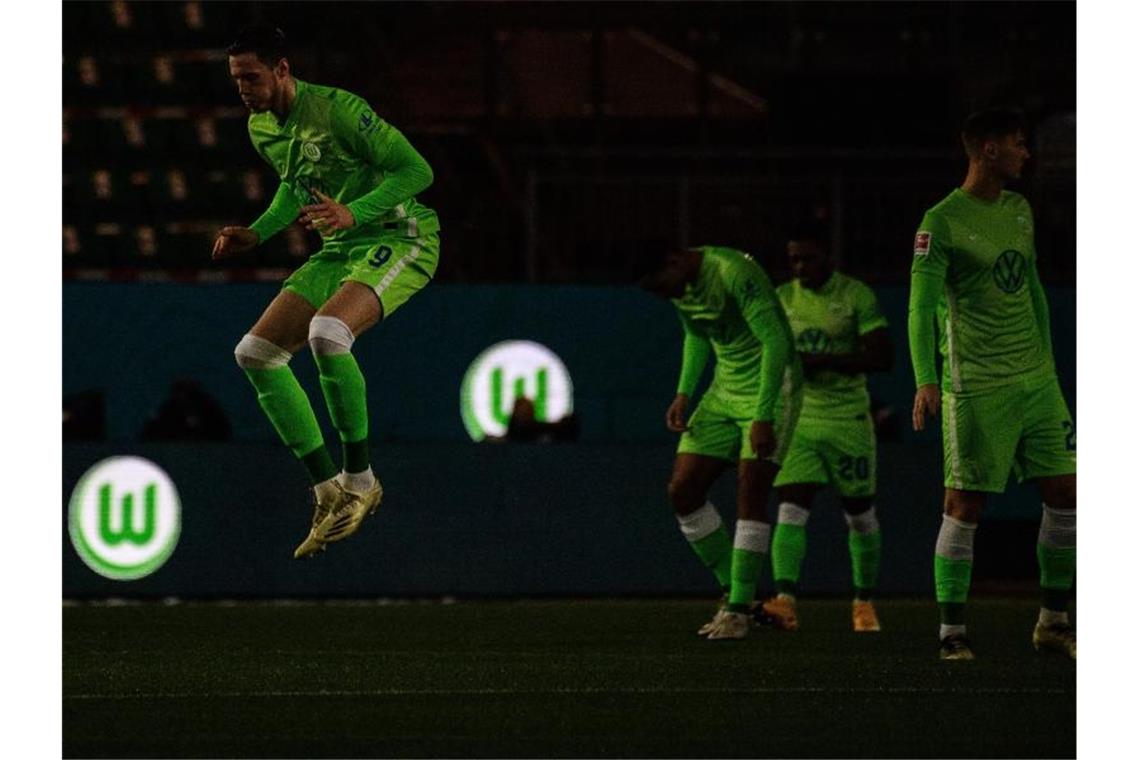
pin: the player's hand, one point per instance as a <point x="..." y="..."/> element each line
<point x="927" y="400"/>
<point x="763" y="438"/>
<point x="675" y="416"/>
<point x="326" y="216"/>
<point x="231" y="240"/>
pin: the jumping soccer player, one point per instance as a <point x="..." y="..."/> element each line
<point x="352" y="177"/>
<point x="728" y="307"/>
<point x="975" y="266"/>
<point x="840" y="335"/>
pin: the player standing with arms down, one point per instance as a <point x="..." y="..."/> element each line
<point x="975" y="267"/>
<point x="728" y="308"/>
<point x="840" y="334"/>
<point x="353" y="177"/>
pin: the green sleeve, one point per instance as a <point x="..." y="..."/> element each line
<point x="927" y="280"/>
<point x="867" y="313"/>
<point x="369" y="137"/>
<point x="764" y="315"/>
<point x="694" y="358"/>
<point x="282" y="211"/>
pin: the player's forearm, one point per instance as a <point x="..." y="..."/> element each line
<point x="773" y="363"/>
<point x="925" y="291"/>
<point x="694" y="358"/>
<point x="282" y="211"/>
<point x="406" y="174"/>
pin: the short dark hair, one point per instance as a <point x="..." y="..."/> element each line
<point x="815" y="230"/>
<point x="265" y="41"/>
<point x="645" y="257"/>
<point x="988" y="124"/>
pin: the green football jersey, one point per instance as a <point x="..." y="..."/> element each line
<point x="830" y="321"/>
<point x="734" y="308"/>
<point x="332" y="141"/>
<point x="991" y="312"/>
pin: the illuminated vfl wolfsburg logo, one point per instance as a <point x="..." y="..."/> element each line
<point x="813" y="341"/>
<point x="1009" y="271"/>
<point x="125" y="518"/>
<point x="506" y="371"/>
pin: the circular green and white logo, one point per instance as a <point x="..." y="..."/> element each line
<point x="506" y="371"/>
<point x="125" y="518"/>
<point x="311" y="151"/>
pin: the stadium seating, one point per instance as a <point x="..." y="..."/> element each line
<point x="713" y="122"/>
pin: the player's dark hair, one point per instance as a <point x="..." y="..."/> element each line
<point x="265" y="41"/>
<point x="989" y="124"/>
<point x="813" y="230"/>
<point x="646" y="258"/>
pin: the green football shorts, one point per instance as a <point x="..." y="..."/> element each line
<point x="394" y="267"/>
<point x="1026" y="426"/>
<point x="839" y="452"/>
<point x="723" y="430"/>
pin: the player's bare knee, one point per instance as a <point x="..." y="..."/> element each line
<point x="684" y="496"/>
<point x="857" y="506"/>
<point x="329" y="335"/>
<point x="1060" y="493"/>
<point x="964" y="506"/>
<point x="801" y="496"/>
<point x="253" y="352"/>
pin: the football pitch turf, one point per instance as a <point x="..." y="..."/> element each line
<point x="578" y="678"/>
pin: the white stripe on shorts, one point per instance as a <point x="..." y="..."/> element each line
<point x="398" y="267"/>
<point x="951" y="421"/>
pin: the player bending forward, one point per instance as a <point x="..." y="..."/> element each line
<point x="352" y="177"/>
<point x="840" y="334"/>
<point x="975" y="266"/>
<point x="728" y="307"/>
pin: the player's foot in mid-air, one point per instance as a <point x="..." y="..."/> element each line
<point x="863" y="616"/>
<point x="1060" y="637"/>
<point x="345" y="517"/>
<point x="955" y="647"/>
<point x="322" y="508"/>
<point x="780" y="612"/>
<point x="730" y="625"/>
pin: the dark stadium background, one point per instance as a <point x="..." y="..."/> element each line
<point x="562" y="136"/>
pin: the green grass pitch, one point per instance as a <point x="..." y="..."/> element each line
<point x="591" y="678"/>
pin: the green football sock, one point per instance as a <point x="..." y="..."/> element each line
<point x="748" y="550"/>
<point x="705" y="533"/>
<point x="745" y="577"/>
<point x="343" y="386"/>
<point x="789" y="545"/>
<point x="953" y="564"/>
<point x="1057" y="556"/>
<point x="866" y="551"/>
<point x="715" y="551"/>
<point x="289" y="411"/>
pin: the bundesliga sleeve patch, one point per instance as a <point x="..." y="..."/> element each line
<point x="921" y="243"/>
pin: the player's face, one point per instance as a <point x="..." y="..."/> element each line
<point x="808" y="262"/>
<point x="1009" y="154"/>
<point x="670" y="281"/>
<point x="259" y="85"/>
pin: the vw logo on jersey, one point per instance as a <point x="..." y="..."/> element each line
<point x="1009" y="271"/>
<point x="813" y="341"/>
<point x="311" y="151"/>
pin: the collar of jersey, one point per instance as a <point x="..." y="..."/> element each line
<point x="294" y="109"/>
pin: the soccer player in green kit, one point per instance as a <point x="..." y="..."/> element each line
<point x="840" y="335"/>
<point x="351" y="176"/>
<point x="729" y="309"/>
<point x="975" y="269"/>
